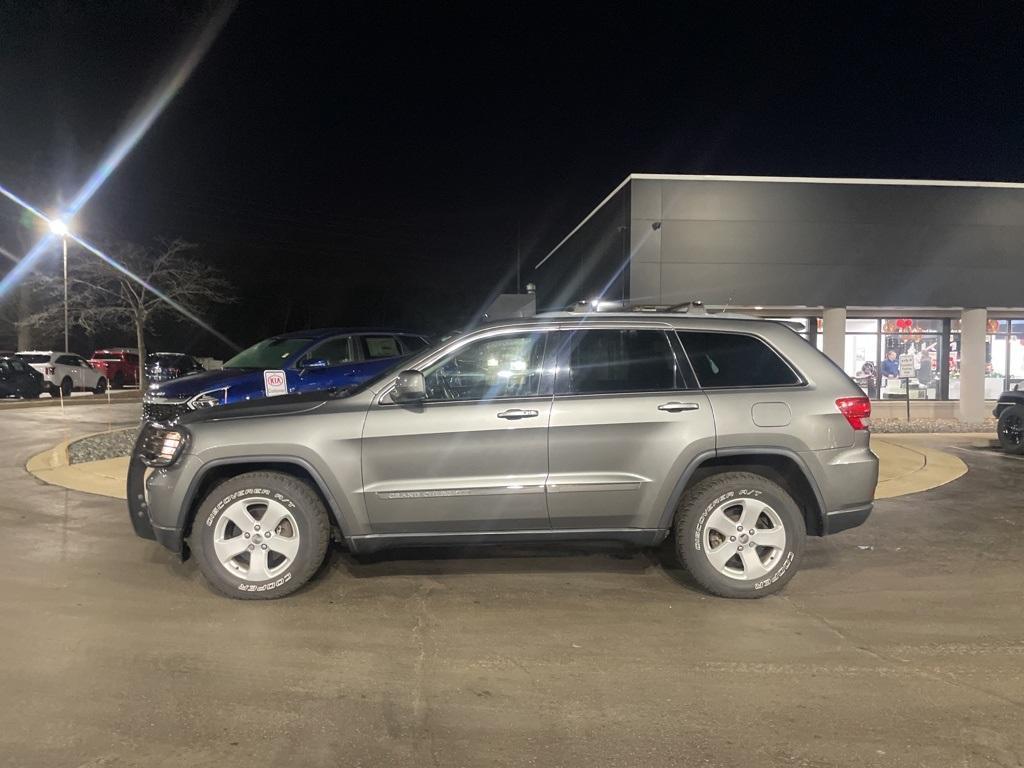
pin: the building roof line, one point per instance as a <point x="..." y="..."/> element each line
<point x="825" y="180"/>
<point x="589" y="216"/>
<point x="777" y="180"/>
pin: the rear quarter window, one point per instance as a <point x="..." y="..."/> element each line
<point x="723" y="360"/>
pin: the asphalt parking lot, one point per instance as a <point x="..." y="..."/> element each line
<point x="898" y="644"/>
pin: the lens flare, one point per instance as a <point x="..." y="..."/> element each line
<point x="155" y="291"/>
<point x="183" y="311"/>
<point x="142" y="118"/>
<point x="149" y="110"/>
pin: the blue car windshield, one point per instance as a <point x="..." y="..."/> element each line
<point x="269" y="353"/>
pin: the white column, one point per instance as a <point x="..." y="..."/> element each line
<point x="972" y="364"/>
<point x="833" y="334"/>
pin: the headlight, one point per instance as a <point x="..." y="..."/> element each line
<point x="162" y="446"/>
<point x="209" y="399"/>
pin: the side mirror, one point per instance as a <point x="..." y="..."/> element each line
<point x="316" y="362"/>
<point x="410" y="388"/>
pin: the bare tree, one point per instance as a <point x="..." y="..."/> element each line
<point x="103" y="297"/>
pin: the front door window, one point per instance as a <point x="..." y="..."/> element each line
<point x="495" y="368"/>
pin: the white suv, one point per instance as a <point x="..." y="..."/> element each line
<point x="65" y="372"/>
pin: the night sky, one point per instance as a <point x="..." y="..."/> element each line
<point x="380" y="163"/>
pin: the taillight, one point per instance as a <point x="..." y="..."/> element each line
<point x="857" y="410"/>
<point x="50" y="370"/>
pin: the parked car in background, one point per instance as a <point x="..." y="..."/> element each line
<point x="164" y="366"/>
<point x="304" y="361"/>
<point x="65" y="372"/>
<point x="1009" y="412"/>
<point x="733" y="433"/>
<point x="19" y="379"/>
<point x="119" y="365"/>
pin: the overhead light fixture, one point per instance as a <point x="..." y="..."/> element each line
<point x="59" y="228"/>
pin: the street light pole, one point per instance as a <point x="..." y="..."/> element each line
<point x="65" y="241"/>
<point x="60" y="229"/>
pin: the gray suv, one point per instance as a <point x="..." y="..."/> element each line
<point x="733" y="434"/>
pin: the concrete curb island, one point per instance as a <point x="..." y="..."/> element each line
<point x="905" y="468"/>
<point x="108" y="477"/>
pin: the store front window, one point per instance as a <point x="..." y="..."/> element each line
<point x="873" y="347"/>
<point x="920" y="338"/>
<point x="862" y="353"/>
<point x="1004" y="357"/>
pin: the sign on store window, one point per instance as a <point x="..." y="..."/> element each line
<point x="907" y="370"/>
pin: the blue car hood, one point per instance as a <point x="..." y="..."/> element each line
<point x="194" y="383"/>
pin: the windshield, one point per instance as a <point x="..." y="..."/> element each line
<point x="34" y="358"/>
<point x="269" y="353"/>
<point x="106" y="356"/>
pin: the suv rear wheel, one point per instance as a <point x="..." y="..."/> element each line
<point x="260" y="535"/>
<point x="739" y="534"/>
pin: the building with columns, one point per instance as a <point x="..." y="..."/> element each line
<point x="874" y="268"/>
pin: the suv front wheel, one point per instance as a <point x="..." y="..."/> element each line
<point x="260" y="535"/>
<point x="739" y="534"/>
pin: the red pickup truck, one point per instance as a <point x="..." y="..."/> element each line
<point x="120" y="365"/>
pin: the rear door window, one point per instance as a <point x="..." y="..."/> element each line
<point x="621" y="360"/>
<point x="728" y="360"/>
<point x="335" y="351"/>
<point x="378" y="347"/>
<point x="412" y="343"/>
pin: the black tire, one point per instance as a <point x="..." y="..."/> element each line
<point x="54" y="390"/>
<point x="1010" y="429"/>
<point x="303" y="505"/>
<point x="67" y="386"/>
<point x="118" y="382"/>
<point x="101" y="386"/>
<point x="722" y="494"/>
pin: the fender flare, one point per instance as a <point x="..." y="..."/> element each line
<point x="677" y="491"/>
<point x="337" y="512"/>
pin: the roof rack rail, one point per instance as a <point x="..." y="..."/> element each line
<point x="614" y="305"/>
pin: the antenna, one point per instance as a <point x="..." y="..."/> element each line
<point x="519" y="239"/>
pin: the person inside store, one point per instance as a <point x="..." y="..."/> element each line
<point x="925" y="375"/>
<point x="867" y="379"/>
<point x="891" y="365"/>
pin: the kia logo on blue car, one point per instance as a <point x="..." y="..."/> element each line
<point x="303" y="361"/>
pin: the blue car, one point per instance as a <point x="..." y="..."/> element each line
<point x="304" y="361"/>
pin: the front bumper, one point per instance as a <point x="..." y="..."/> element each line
<point x="156" y="498"/>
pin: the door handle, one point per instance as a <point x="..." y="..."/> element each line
<point x="518" y="413"/>
<point x="676" y="407"/>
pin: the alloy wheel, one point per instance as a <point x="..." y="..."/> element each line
<point x="256" y="539"/>
<point x="744" y="539"/>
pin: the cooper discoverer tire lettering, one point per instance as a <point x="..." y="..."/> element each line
<point x="260" y="535"/>
<point x="739" y="535"/>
